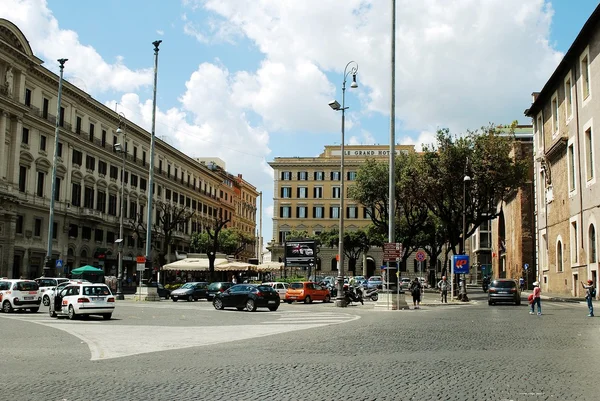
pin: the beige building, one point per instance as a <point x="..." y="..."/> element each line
<point x="88" y="195"/>
<point x="307" y="198"/>
<point x="565" y="114"/>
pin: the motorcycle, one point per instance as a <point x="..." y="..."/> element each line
<point x="372" y="294"/>
<point x="485" y="286"/>
<point x="351" y="296"/>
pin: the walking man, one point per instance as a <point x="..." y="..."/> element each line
<point x="522" y="283"/>
<point x="590" y="293"/>
<point x="443" y="286"/>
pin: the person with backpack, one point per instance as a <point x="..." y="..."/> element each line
<point x="590" y="294"/>
<point x="443" y="286"/>
<point x="415" y="289"/>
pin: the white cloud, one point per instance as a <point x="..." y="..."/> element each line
<point x="50" y="42"/>
<point x="160" y="32"/>
<point x="366" y="138"/>
<point x="424" y="138"/>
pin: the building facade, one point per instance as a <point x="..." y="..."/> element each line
<point x="90" y="175"/>
<point x="564" y="114"/>
<point x="307" y="198"/>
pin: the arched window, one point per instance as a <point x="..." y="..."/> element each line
<point x="559" y="256"/>
<point x="592" y="244"/>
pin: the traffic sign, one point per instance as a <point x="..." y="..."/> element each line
<point x="526" y="266"/>
<point x="140" y="263"/>
<point x="59" y="263"/>
<point x="392" y="251"/>
<point x="420" y="256"/>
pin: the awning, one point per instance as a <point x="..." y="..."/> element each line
<point x="193" y="264"/>
<point x="236" y="267"/>
<point x="269" y="266"/>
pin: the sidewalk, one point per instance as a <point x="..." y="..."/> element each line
<point x="555" y="297"/>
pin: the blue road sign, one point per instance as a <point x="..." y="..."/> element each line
<point x="59" y="264"/>
<point x="526" y="266"/>
<point x="461" y="264"/>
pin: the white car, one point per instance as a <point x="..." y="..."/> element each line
<point x="77" y="299"/>
<point x="48" y="283"/>
<point x="281" y="288"/>
<point x="49" y="292"/>
<point x="19" y="294"/>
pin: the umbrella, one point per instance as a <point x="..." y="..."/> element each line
<point x="269" y="266"/>
<point x="87" y="269"/>
<point x="236" y="266"/>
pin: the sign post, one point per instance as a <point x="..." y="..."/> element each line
<point x="392" y="252"/>
<point x="140" y="267"/>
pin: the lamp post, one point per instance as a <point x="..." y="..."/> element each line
<point x="48" y="262"/>
<point x="340" y="301"/>
<point x="121" y="148"/>
<point x="463" y="285"/>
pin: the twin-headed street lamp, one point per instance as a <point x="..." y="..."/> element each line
<point x="340" y="300"/>
<point x="122" y="149"/>
<point x="463" y="283"/>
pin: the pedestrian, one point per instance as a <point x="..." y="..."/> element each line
<point x="537" y="292"/>
<point x="234" y="279"/>
<point x="590" y="293"/>
<point x="522" y="283"/>
<point x="443" y="286"/>
<point x="415" y="290"/>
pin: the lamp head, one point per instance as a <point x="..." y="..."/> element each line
<point x="354" y="84"/>
<point x="118" y="241"/>
<point x="119" y="131"/>
<point x="335" y="105"/>
<point x="118" y="147"/>
<point x="467" y="178"/>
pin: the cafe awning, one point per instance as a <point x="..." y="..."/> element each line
<point x="236" y="267"/>
<point x="269" y="266"/>
<point x="193" y="264"/>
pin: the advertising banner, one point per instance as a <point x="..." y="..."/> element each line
<point x="300" y="253"/>
<point x="461" y="264"/>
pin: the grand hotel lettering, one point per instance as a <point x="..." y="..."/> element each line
<point x="369" y="152"/>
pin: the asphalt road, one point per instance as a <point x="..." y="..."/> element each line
<point x="189" y="351"/>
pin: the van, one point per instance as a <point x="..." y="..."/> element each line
<point x="20" y="294"/>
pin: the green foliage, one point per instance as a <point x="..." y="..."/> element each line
<point x="174" y="286"/>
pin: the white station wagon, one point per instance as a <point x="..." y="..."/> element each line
<point x="83" y="299"/>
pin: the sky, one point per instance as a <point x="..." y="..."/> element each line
<point x="250" y="80"/>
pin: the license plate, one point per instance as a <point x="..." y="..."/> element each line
<point x="96" y="299"/>
<point x="271" y="302"/>
<point x="502" y="292"/>
<point x="28" y="298"/>
<point x="292" y="297"/>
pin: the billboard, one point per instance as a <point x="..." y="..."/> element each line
<point x="300" y="253"/>
<point x="461" y="264"/>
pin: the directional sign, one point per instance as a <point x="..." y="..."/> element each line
<point x="420" y="256"/>
<point x="526" y="266"/>
<point x="140" y="263"/>
<point x="59" y="263"/>
<point x="392" y="251"/>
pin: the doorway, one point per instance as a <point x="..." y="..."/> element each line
<point x="595" y="280"/>
<point x="575" y="289"/>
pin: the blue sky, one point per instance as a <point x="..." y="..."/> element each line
<point x="249" y="80"/>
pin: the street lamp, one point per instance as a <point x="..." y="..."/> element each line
<point x="340" y="300"/>
<point x="120" y="148"/>
<point x="463" y="285"/>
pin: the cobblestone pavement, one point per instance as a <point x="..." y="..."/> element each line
<point x="189" y="351"/>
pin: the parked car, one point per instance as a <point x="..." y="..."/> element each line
<point x="47" y="283"/>
<point x="161" y="290"/>
<point x="247" y="296"/>
<point x="374" y="282"/>
<point x="307" y="292"/>
<point x="214" y="288"/>
<point x="504" y="290"/>
<point x="405" y="283"/>
<point x="19" y="294"/>
<point x="423" y="282"/>
<point x="82" y="299"/>
<point x="47" y="296"/>
<point x="281" y="288"/>
<point x="192" y="291"/>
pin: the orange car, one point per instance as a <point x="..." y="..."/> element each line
<point x="307" y="292"/>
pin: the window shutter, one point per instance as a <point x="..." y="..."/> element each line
<point x="282" y="175"/>
<point x="280" y="211"/>
<point x="331" y="176"/>
<point x="314" y="212"/>
<point x="297" y="192"/>
<point x="347" y="212"/>
<point x="281" y="196"/>
<point x="330" y="212"/>
<point x="297" y="211"/>
<point x="315" y="176"/>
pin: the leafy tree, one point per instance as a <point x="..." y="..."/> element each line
<point x="233" y="241"/>
<point x="355" y="243"/>
<point x="208" y="242"/>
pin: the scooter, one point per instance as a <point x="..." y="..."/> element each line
<point x="372" y="294"/>
<point x="484" y="287"/>
<point x="351" y="296"/>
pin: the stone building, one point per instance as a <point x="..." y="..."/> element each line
<point x="564" y="115"/>
<point x="89" y="175"/>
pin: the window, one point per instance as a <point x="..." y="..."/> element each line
<point x="144" y="159"/>
<point x="98" y="235"/>
<point x="19" y="228"/>
<point x="91" y="132"/>
<point x="351" y="175"/>
<point x="132" y="210"/>
<point x="554" y="114"/>
<point x="188" y="182"/>
<point x="54" y="230"/>
<point x="285" y="211"/>
<point x="40" y="184"/>
<point x="57" y="189"/>
<point x="112" y="204"/>
<point x="102" y="167"/>
<point x="592" y="254"/>
<point x="22" y="178"/>
<point x="27" y="97"/>
<point x="101" y="202"/>
<point x="181" y="199"/>
<point x="335" y="192"/>
<point x="73" y="230"/>
<point x="114" y="172"/>
<point x="110" y="237"/>
<point x="43" y="143"/>
<point x="352" y="212"/>
<point x="589" y="154"/>
<point x="59" y="152"/>
<point x="286" y="175"/>
<point x="90" y="162"/>
<point x="318" y="192"/>
<point x="160" y="166"/>
<point x="76" y="194"/>
<point x="302" y="175"/>
<point x="571" y="158"/>
<point x="335" y="176"/>
<point x="126" y="177"/>
<point x="167" y="194"/>
<point x="45" y="107"/>
<point x="175" y="197"/>
<point x="318" y="212"/>
<point x="169" y="171"/>
<point x="334" y="212"/>
<point x="143" y="184"/>
<point x="61" y="117"/>
<point x="319" y="176"/>
<point x="559" y="256"/>
<point x="574" y="243"/>
<point x="78" y="125"/>
<point x="86" y="233"/>
<point x="25" y="135"/>
<point x="568" y="97"/>
<point x="77" y="157"/>
<point x="134" y="180"/>
<point x="37" y="227"/>
<point x="88" y="198"/>
<point x="286" y="192"/>
<point x="135" y="153"/>
<point x="302" y="192"/>
<point x="585" y="76"/>
<point x="176" y="172"/>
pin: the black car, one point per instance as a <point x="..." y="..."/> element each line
<point x="214" y="288"/>
<point x="192" y="291"/>
<point x="248" y="296"/>
<point x="504" y="290"/>
<point x="161" y="290"/>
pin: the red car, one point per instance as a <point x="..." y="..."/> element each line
<point x="307" y="292"/>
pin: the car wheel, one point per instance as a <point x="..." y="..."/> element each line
<point x="490" y="302"/>
<point x="174" y="299"/>
<point x="34" y="310"/>
<point x="7" y="307"/>
<point x="190" y="298"/>
<point x="327" y="299"/>
<point x="240" y="308"/>
<point x="72" y="314"/>
<point x="250" y="305"/>
<point x="289" y="302"/>
<point x="307" y="300"/>
<point x="107" y="316"/>
<point x="46" y="300"/>
<point x="218" y="304"/>
<point x="273" y="308"/>
<point x="51" y="312"/>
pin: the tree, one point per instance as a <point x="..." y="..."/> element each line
<point x="170" y="218"/>
<point x="355" y="243"/>
<point x="208" y="242"/>
<point x="233" y="241"/>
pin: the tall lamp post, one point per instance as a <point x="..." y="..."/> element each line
<point x="48" y="262"/>
<point x="121" y="148"/>
<point x="463" y="284"/>
<point x="340" y="301"/>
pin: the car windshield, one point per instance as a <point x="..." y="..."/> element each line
<point x="188" y="285"/>
<point x="46" y="282"/>
<point x="214" y="286"/>
<point x="375" y="278"/>
<point x="96" y="290"/>
<point x="27" y="286"/>
<point x="504" y="284"/>
<point x="265" y="288"/>
<point x="297" y="286"/>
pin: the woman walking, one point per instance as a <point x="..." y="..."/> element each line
<point x="537" y="300"/>
<point x="415" y="290"/>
